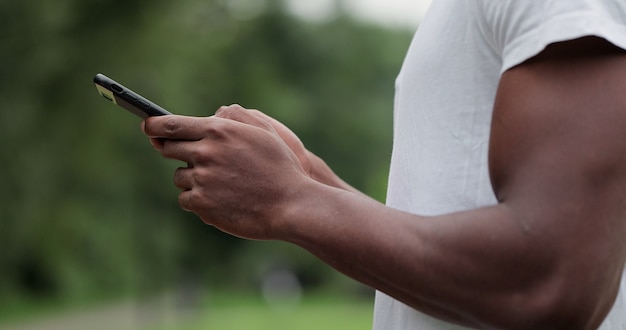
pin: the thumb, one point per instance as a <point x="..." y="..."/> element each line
<point x="238" y="113"/>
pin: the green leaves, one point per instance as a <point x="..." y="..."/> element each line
<point x="82" y="189"/>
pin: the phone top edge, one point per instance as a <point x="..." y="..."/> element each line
<point x="126" y="98"/>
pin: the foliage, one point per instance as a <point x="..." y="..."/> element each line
<point x="87" y="208"/>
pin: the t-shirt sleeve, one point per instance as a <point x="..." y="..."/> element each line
<point x="519" y="30"/>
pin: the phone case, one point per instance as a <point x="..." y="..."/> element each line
<point x="126" y="98"/>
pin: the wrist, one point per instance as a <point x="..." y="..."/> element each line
<point x="308" y="202"/>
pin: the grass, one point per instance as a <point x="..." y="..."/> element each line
<point x="252" y="313"/>
<point x="213" y="311"/>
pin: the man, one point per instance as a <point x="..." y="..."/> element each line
<point x="507" y="196"/>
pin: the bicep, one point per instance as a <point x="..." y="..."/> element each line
<point x="564" y="110"/>
<point x="558" y="158"/>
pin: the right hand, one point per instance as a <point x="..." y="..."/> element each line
<point x="312" y="165"/>
<point x="294" y="143"/>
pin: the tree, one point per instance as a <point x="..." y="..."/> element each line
<point x="87" y="207"/>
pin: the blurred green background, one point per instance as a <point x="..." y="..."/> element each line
<point x="89" y="218"/>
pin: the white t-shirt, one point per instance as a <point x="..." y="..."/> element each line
<point x="444" y="98"/>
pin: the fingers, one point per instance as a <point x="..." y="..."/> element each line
<point x="190" y="152"/>
<point x="259" y="119"/>
<point x="238" y="113"/>
<point x="184" y="200"/>
<point x="183" y="178"/>
<point x="173" y="127"/>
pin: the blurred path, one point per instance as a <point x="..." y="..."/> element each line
<point x="130" y="315"/>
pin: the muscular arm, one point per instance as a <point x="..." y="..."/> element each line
<point x="551" y="253"/>
<point x="548" y="255"/>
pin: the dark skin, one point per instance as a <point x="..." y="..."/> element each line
<point x="549" y="255"/>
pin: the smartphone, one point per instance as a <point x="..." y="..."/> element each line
<point x="126" y="98"/>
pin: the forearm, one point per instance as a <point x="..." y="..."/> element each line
<point x="448" y="266"/>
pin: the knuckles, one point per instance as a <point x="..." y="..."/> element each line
<point x="171" y="127"/>
<point x="184" y="200"/>
<point x="202" y="155"/>
<point x="217" y="129"/>
<point x="191" y="200"/>
<point x="202" y="177"/>
<point x="194" y="201"/>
